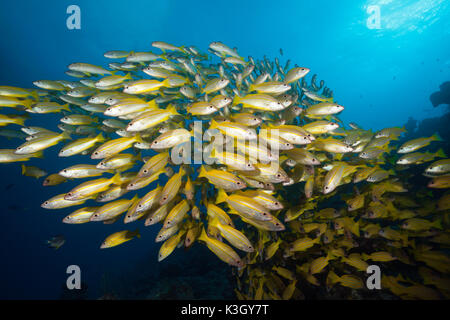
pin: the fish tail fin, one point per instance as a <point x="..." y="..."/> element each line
<point x="202" y="172"/>
<point x="436" y="137"/>
<point x="437" y="224"/>
<point x="251" y="88"/>
<point x="440" y="154"/>
<point x="23" y="169"/>
<point x="134" y="198"/>
<point x="182" y="171"/>
<point x="20" y="121"/>
<point x="139" y="138"/>
<point x="166" y="83"/>
<point x="39" y="154"/>
<point x="213" y="124"/>
<point x="35" y="95"/>
<point x="236" y="100"/>
<point x="364" y="256"/>
<point x="221" y="196"/>
<point x="65" y="136"/>
<point x="128" y="76"/>
<point x="334" y="278"/>
<point x="213" y="221"/>
<point x="116" y="179"/>
<point x="203" y="236"/>
<point x="100" y="137"/>
<point x="171" y="108"/>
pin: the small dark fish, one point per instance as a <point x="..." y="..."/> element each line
<point x="56" y="242"/>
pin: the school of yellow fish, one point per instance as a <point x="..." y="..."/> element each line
<point x="340" y="200"/>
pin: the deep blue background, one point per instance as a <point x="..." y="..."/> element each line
<point x="381" y="76"/>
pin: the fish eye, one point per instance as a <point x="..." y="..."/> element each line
<point x="145" y="171"/>
<point x="276" y="203"/>
<point x="277" y="224"/>
<point x="238" y="183"/>
<point x="96" y="152"/>
<point x="46" y="203"/>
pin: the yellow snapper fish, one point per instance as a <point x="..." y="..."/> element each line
<point x="80" y="145"/>
<point x="118" y="238"/>
<point x="221" y="250"/>
<point x="54" y="179"/>
<point x="92" y="187"/>
<point x="42" y="143"/>
<point x="418" y="143"/>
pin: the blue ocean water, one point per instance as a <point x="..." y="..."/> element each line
<point x="381" y="75"/>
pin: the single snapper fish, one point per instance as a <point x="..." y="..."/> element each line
<point x="112" y="209"/>
<point x="417" y="144"/>
<point x="221" y="250"/>
<point x="118" y="238"/>
<point x="33" y="171"/>
<point x="92" y="187"/>
<point x="48" y="107"/>
<point x="171" y="138"/>
<point x="235" y="130"/>
<point x="215" y="84"/>
<point x="439" y="167"/>
<point x="245" y="206"/>
<point x="323" y="109"/>
<point x="261" y="102"/>
<point x="82" y="171"/>
<point x="115" y="146"/>
<point x="222" y="179"/>
<point x="144" y="86"/>
<point x="80" y="216"/>
<point x="9" y="155"/>
<point x="233" y="236"/>
<point x="80" y="145"/>
<point x="88" y="68"/>
<point x="128" y="106"/>
<point x="151" y="118"/>
<point x="271" y="87"/>
<point x="42" y="143"/>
